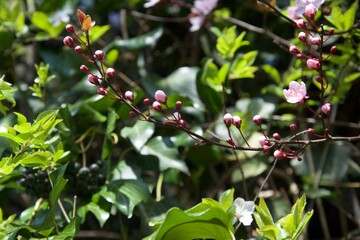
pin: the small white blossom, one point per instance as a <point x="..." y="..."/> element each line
<point x="151" y="3"/>
<point x="243" y="212"/>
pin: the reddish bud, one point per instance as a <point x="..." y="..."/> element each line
<point x="332" y="49"/>
<point x="301" y="23"/>
<point x="313" y="64"/>
<point x="230" y="141"/>
<point x="237" y="121"/>
<point x="99" y="55"/>
<point x="318" y="79"/>
<point x="182" y="123"/>
<point x="228" y="119"/>
<point x="84" y="69"/>
<point x="132" y="114"/>
<point x="70" y="28"/>
<point x="293" y="49"/>
<point x="129" y="96"/>
<point x="93" y="79"/>
<point x="277" y="136"/>
<point x="331" y="31"/>
<point x="78" y="49"/>
<point x="293" y="128"/>
<point x="315" y="40"/>
<point x="310" y="130"/>
<point x="264" y="141"/>
<point x="157" y="106"/>
<point x="110" y="72"/>
<point x="102" y="91"/>
<point x="146" y="102"/>
<point x="160" y="96"/>
<point x="302" y="36"/>
<point x="69" y="41"/>
<point x="266" y="148"/>
<point x="257" y="120"/>
<point x="327" y="11"/>
<point x="178" y="105"/>
<point x="310" y="11"/>
<point x="279" y="154"/>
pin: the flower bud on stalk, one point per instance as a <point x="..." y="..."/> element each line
<point x="160" y="96"/>
<point x="99" y="55"/>
<point x="313" y="64"/>
<point x="110" y="72"/>
<point x="69" y="41"/>
<point x="129" y="96"/>
<point x="157" y="106"/>
<point x="70" y="28"/>
<point x="228" y="119"/>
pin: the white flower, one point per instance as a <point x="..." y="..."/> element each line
<point x="244" y="210"/>
<point x="151" y="3"/>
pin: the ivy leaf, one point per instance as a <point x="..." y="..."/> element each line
<point x="139" y="133"/>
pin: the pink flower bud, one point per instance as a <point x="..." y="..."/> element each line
<point x="326" y="108"/>
<point x="310" y="130"/>
<point x="69" y="41"/>
<point x="277" y="136"/>
<point x="70" y="28"/>
<point x="315" y="40"/>
<point x="263" y="141"/>
<point x="332" y="49"/>
<point x="84" y="69"/>
<point x="293" y="128"/>
<point x="237" y="121"/>
<point x="99" y="55"/>
<point x="301" y="23"/>
<point x="302" y="36"/>
<point x="110" y="72"/>
<point x="257" y="120"/>
<point x="93" y="79"/>
<point x="331" y="31"/>
<point x="182" y="123"/>
<point x="293" y="49"/>
<point x="132" y="114"/>
<point x="178" y="105"/>
<point x="102" y="91"/>
<point x="266" y="148"/>
<point x="310" y="11"/>
<point x="129" y="96"/>
<point x="313" y="64"/>
<point x="228" y="119"/>
<point x="160" y="96"/>
<point x="78" y="49"/>
<point x="279" y="154"/>
<point x="230" y="141"/>
<point x="146" y="102"/>
<point x="157" y="106"/>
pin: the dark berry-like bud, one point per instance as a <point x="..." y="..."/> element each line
<point x="94" y="168"/>
<point x="84" y="172"/>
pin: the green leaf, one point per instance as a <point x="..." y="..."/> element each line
<point x="226" y="199"/>
<point x="210" y="223"/>
<point x="168" y="157"/>
<point x="242" y="66"/>
<point x="70" y="231"/>
<point x="302" y="224"/>
<point x="228" y="43"/>
<point x="138" y="134"/>
<point x="97" y="32"/>
<point x="6" y="93"/>
<point x="349" y="15"/>
<point x="262" y="214"/>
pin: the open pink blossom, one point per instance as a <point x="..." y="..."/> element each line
<point x="296" y="92"/>
<point x="199" y="11"/>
